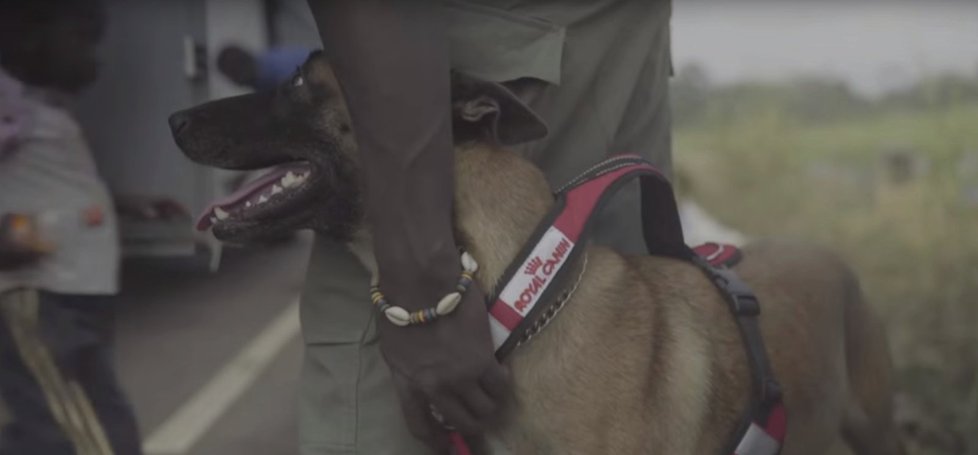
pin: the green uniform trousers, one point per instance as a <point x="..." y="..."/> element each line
<point x="597" y="72"/>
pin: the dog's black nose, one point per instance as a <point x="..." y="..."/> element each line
<point x="179" y="121"/>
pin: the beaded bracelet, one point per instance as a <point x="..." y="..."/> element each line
<point x="401" y="317"/>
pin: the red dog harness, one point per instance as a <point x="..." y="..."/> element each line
<point x="541" y="272"/>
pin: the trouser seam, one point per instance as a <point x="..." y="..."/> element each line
<point x="361" y="344"/>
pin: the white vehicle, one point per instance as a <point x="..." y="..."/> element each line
<point x="158" y="57"/>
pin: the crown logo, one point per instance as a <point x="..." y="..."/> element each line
<point x="533" y="266"/>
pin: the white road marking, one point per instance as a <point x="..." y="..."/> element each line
<point x="185" y="427"/>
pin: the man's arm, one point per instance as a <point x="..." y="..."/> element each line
<point x="391" y="57"/>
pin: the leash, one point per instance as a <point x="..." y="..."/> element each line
<point x="543" y="267"/>
<point x="458" y="443"/>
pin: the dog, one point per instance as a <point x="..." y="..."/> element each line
<point x="645" y="357"/>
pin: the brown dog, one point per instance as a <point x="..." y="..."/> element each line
<point x="645" y="357"/>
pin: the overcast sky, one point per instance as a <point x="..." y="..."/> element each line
<point x="874" y="44"/>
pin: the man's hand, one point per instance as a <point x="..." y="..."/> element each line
<point x="450" y="365"/>
<point x="146" y="208"/>
<point x="20" y="244"/>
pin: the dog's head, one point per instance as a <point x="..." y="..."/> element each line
<point x="303" y="130"/>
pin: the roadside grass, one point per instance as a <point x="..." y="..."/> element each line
<point x="895" y="193"/>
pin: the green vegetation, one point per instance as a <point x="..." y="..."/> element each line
<point x="891" y="184"/>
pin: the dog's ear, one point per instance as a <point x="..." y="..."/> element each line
<point x="488" y="111"/>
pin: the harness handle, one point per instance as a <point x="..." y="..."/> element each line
<point x="663" y="235"/>
<point x="539" y="272"/>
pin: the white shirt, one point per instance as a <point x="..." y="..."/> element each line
<point x="51" y="174"/>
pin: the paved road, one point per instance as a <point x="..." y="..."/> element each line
<point x="211" y="360"/>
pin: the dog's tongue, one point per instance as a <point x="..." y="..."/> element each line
<point x="253" y="187"/>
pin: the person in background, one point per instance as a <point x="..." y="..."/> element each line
<point x="59" y="248"/>
<point x="597" y="72"/>
<point x="263" y="71"/>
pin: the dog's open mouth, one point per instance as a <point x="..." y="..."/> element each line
<point x="272" y="195"/>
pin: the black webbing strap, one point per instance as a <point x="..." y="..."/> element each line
<point x="746" y="309"/>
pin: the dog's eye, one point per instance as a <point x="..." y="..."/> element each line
<point x="297" y="81"/>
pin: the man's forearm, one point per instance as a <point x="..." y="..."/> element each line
<point x="391" y="57"/>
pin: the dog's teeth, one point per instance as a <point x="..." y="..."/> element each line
<point x="276" y="189"/>
<point x="221" y="214"/>
<point x="248" y="204"/>
<point x="289" y="180"/>
<point x="213" y="220"/>
<point x="263" y="199"/>
<point x="301" y="178"/>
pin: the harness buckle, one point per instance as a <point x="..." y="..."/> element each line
<point x="771" y="392"/>
<point x="744" y="301"/>
<point x="746" y="304"/>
